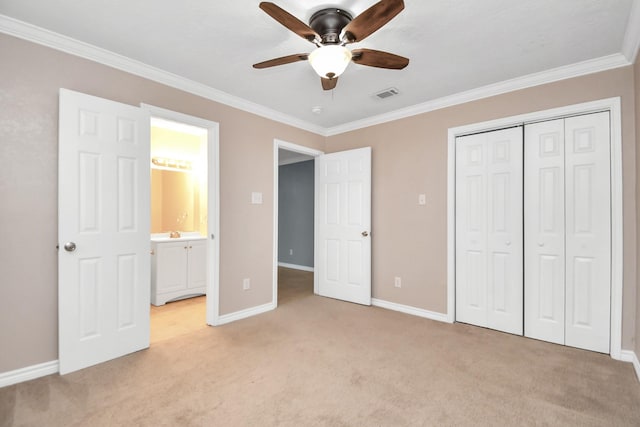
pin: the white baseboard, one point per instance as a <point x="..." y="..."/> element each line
<point x="295" y="266"/>
<point x="243" y="314"/>
<point x="28" y="373"/>
<point x="630" y="356"/>
<point x="410" y="310"/>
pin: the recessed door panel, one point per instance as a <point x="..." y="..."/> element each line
<point x="127" y="284"/>
<point x="90" y="190"/>
<point x="90" y="297"/>
<point x="354" y="214"/>
<point x="499" y="285"/>
<point x="127" y="206"/>
<point x="550" y="306"/>
<point x="475" y="285"/>
<point x="332" y="254"/>
<point x="332" y="203"/>
<point x="354" y="273"/>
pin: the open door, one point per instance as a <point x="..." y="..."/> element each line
<point x="343" y="225"/>
<point x="103" y="230"/>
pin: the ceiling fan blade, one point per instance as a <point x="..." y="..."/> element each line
<point x="378" y="58"/>
<point x="371" y="20"/>
<point x="282" y="60"/>
<point x="328" y="84"/>
<point x="289" y="21"/>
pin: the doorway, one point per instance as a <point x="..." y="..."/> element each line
<point x="196" y="218"/>
<point x="178" y="217"/>
<point x="294" y="201"/>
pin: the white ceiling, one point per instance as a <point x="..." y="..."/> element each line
<point x="454" y="46"/>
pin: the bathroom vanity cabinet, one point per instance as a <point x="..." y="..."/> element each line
<point x="178" y="268"/>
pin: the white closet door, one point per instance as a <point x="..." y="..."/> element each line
<point x="568" y="231"/>
<point x="504" y="232"/>
<point x="544" y="231"/>
<point x="471" y="230"/>
<point x="588" y="232"/>
<point x="489" y="230"/>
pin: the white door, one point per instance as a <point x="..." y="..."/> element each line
<point x="544" y="231"/>
<point x="588" y="232"/>
<point x="568" y="232"/>
<point x="103" y="230"/>
<point x="489" y="229"/>
<point x="343" y="225"/>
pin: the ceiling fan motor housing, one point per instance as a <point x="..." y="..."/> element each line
<point x="328" y="23"/>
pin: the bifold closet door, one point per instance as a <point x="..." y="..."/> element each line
<point x="544" y="231"/>
<point x="489" y="257"/>
<point x="568" y="231"/>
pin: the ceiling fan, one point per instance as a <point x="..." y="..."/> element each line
<point x="331" y="29"/>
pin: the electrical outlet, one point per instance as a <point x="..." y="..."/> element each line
<point x="246" y="284"/>
<point x="422" y="199"/>
<point x="290" y="251"/>
<point x="256" y="198"/>
<point x="397" y="282"/>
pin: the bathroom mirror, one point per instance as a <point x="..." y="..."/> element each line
<point x="176" y="203"/>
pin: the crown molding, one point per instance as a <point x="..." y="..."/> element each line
<point x="631" y="42"/>
<point x="75" y="47"/>
<point x="549" y="76"/>
<point x="69" y="45"/>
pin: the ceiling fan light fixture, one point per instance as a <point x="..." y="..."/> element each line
<point x="330" y="61"/>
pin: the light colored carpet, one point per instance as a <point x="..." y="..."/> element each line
<point x="178" y="318"/>
<point x="317" y="361"/>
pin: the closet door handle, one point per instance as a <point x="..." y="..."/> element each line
<point x="541" y="244"/>
<point x="508" y="243"/>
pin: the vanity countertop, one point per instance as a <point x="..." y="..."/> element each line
<point x="164" y="237"/>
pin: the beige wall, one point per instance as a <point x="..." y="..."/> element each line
<point x="410" y="157"/>
<point x="30" y="77"/>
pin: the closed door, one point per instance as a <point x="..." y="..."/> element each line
<point x="343" y="225"/>
<point x="568" y="231"/>
<point x="171" y="261"/>
<point x="197" y="264"/>
<point x="545" y="231"/>
<point x="489" y="229"/>
<point x="103" y="226"/>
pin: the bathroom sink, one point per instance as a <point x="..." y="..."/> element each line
<point x="165" y="237"/>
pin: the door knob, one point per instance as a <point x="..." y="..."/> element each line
<point x="508" y="243"/>
<point x="70" y="246"/>
<point x="365" y="234"/>
<point x="540" y="244"/>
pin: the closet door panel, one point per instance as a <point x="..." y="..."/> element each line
<point x="588" y="234"/>
<point x="471" y="230"/>
<point x="544" y="231"/>
<point x="504" y="232"/>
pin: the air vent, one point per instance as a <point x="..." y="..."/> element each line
<point x="387" y="93"/>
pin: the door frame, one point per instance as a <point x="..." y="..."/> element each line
<point x="213" y="202"/>
<point x="277" y="145"/>
<point x="613" y="106"/>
